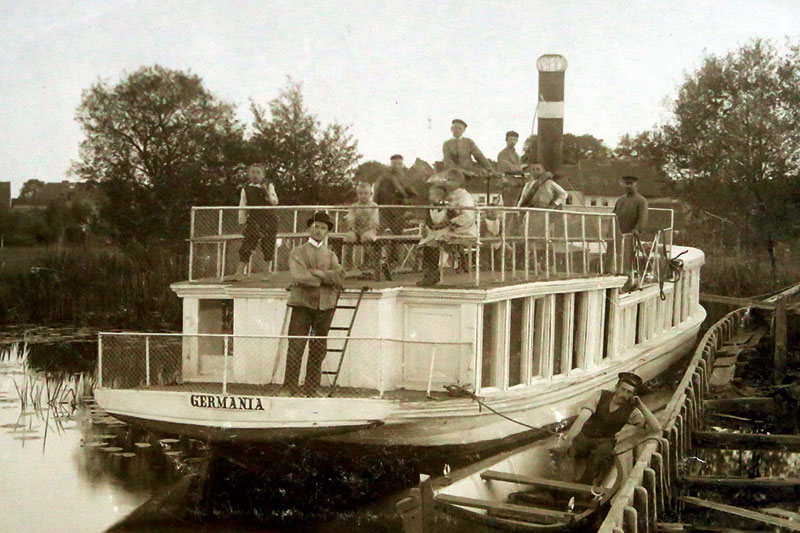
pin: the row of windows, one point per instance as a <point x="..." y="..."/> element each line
<point x="524" y="339"/>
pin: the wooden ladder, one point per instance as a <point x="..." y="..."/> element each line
<point x="347" y="329"/>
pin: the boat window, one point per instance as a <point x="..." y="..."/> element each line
<point x="542" y="337"/>
<point x="492" y="344"/>
<point x="579" y="329"/>
<point x="561" y="334"/>
<point x="516" y="343"/>
<point x="607" y="294"/>
<point x="215" y="316"/>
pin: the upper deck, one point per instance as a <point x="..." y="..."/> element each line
<point x="498" y="245"/>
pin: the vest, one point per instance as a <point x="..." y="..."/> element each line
<point x="256" y="194"/>
<point x="604" y="424"/>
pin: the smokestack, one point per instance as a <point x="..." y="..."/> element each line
<point x="550" y="133"/>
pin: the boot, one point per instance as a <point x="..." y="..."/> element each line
<point x="430" y="267"/>
<point x="240" y="271"/>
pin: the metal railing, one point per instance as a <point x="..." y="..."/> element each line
<point x="647" y="492"/>
<point x="490" y="243"/>
<point x="257" y="364"/>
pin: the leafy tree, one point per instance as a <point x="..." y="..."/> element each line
<point x="157" y="143"/>
<point x="30" y="188"/>
<point x="732" y="145"/>
<point x="575" y="148"/>
<point x="308" y="163"/>
<point x="370" y="171"/>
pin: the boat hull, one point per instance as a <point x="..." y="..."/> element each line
<point x="456" y="422"/>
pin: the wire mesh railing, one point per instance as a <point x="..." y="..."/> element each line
<point x="280" y="365"/>
<point x="479" y="244"/>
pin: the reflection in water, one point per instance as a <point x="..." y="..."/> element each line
<point x="66" y="466"/>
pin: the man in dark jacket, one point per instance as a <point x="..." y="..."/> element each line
<point x="631" y="212"/>
<point x="316" y="280"/>
<point x="593" y="435"/>
<point x="389" y="190"/>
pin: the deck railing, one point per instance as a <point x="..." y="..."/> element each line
<point x="647" y="492"/>
<point x="256" y="364"/>
<point x="493" y="244"/>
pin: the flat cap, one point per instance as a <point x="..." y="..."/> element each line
<point x="629" y="179"/>
<point x="459" y="121"/>
<point x="631" y="378"/>
<point x="511" y="133"/>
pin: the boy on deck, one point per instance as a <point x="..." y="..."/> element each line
<point x="260" y="226"/>
<point x="436" y="223"/>
<point x="363" y="222"/>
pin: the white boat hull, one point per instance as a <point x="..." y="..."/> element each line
<point x="456" y="422"/>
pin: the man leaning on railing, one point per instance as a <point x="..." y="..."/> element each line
<point x="631" y="213"/>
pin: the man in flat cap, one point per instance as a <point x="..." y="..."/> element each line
<point x="508" y="158"/>
<point x="593" y="434"/>
<point x="631" y="212"/>
<point x="459" y="151"/>
<point x="389" y="190"/>
<point x="316" y="280"/>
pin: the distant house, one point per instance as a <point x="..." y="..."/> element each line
<point x="5" y="195"/>
<point x="595" y="182"/>
<point x="58" y="192"/>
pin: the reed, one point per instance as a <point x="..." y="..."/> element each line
<point x="95" y="288"/>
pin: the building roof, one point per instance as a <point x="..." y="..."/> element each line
<point x="600" y="177"/>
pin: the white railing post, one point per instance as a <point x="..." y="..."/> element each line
<point x="547" y="244"/>
<point x="503" y="250"/>
<point x="147" y="359"/>
<point x="191" y="243"/>
<point x="527" y="246"/>
<point x="583" y="244"/>
<point x="430" y="371"/>
<point x="478" y="249"/>
<point x="225" y="365"/>
<point x="567" y="258"/>
<point x="99" y="360"/>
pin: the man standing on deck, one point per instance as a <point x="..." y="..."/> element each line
<point x="260" y="226"/>
<point x="631" y="212"/>
<point x="316" y="280"/>
<point x="540" y="190"/>
<point x="508" y="158"/>
<point x="389" y="190"/>
<point x="459" y="151"/>
<point x="593" y="435"/>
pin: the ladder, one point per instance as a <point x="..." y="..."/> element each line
<point x="346" y="338"/>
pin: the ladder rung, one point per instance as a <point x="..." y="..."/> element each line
<point x="335" y="349"/>
<point x="339" y="328"/>
<point x="345" y="307"/>
<point x="329" y="372"/>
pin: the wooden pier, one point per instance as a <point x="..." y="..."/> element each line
<point x="661" y="494"/>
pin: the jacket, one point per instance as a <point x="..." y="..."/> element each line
<point x="308" y="290"/>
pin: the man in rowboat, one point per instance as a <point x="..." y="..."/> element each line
<point x="593" y="435"/>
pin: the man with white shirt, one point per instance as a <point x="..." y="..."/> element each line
<point x="316" y="280"/>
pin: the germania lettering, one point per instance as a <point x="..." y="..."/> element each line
<point x="212" y="401"/>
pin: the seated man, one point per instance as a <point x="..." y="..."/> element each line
<point x="316" y="280"/>
<point x="363" y="221"/>
<point x="540" y="190"/>
<point x="593" y="434"/>
<point x="462" y="152"/>
<point x="434" y="230"/>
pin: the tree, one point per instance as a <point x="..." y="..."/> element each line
<point x="308" y="163"/>
<point x="732" y="145"/>
<point x="158" y="143"/>
<point x="575" y="148"/>
<point x="30" y="188"/>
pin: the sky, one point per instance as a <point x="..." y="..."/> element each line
<point x="396" y="72"/>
